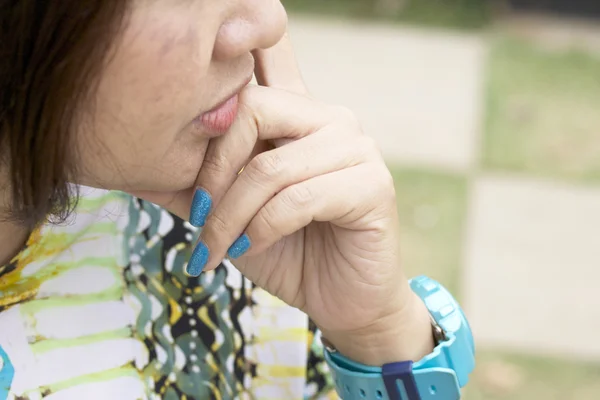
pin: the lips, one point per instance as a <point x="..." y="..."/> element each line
<point x="219" y="120"/>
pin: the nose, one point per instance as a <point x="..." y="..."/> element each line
<point x="254" y="24"/>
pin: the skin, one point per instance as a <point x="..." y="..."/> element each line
<point x="314" y="197"/>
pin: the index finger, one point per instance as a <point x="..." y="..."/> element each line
<point x="277" y="67"/>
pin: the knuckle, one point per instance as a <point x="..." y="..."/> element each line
<point x="217" y="163"/>
<point x="267" y="219"/>
<point x="298" y="197"/>
<point x="385" y="186"/>
<point x="265" y="167"/>
<point x="251" y="107"/>
<point x="368" y="144"/>
<point x="215" y="225"/>
<point x="249" y="94"/>
<point x="347" y="116"/>
<point x="250" y="120"/>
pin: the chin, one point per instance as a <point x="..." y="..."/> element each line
<point x="175" y="173"/>
<point x="172" y="184"/>
<point x="157" y="182"/>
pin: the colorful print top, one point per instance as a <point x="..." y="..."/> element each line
<point x="99" y="308"/>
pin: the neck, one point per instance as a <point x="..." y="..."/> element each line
<point x="12" y="239"/>
<point x="12" y="234"/>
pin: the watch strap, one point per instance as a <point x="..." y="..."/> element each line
<point x="395" y="381"/>
<point x="438" y="376"/>
<point x="457" y="352"/>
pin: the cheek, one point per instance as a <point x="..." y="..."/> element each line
<point x="126" y="159"/>
<point x="145" y="99"/>
<point x="151" y="82"/>
<point x="139" y="138"/>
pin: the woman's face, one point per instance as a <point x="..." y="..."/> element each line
<point x="175" y="61"/>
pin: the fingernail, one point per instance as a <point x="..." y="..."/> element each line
<point x="198" y="260"/>
<point x="200" y="208"/>
<point x="239" y="247"/>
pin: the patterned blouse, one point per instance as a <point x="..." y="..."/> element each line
<point x="99" y="308"/>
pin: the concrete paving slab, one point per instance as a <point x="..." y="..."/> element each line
<point x="532" y="273"/>
<point x="418" y="92"/>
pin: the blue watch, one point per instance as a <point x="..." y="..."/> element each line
<point x="438" y="376"/>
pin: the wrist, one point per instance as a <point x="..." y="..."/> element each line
<point x="405" y="334"/>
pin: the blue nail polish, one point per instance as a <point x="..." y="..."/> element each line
<point x="200" y="208"/>
<point x="239" y="247"/>
<point x="198" y="260"/>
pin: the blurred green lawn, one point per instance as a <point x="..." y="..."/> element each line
<point x="459" y="14"/>
<point x="432" y="207"/>
<point x="543" y="111"/>
<point x="505" y="376"/>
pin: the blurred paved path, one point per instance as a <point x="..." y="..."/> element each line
<point x="418" y="92"/>
<point x="552" y="32"/>
<point x="532" y="265"/>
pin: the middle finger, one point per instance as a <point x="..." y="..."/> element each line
<point x="265" y="176"/>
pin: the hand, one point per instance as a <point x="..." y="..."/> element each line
<point x="311" y="218"/>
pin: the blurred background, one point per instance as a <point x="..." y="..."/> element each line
<point x="488" y="113"/>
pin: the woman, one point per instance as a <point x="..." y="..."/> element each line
<point x="150" y="102"/>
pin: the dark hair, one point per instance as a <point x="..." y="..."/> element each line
<point x="51" y="54"/>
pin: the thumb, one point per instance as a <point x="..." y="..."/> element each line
<point x="277" y="67"/>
